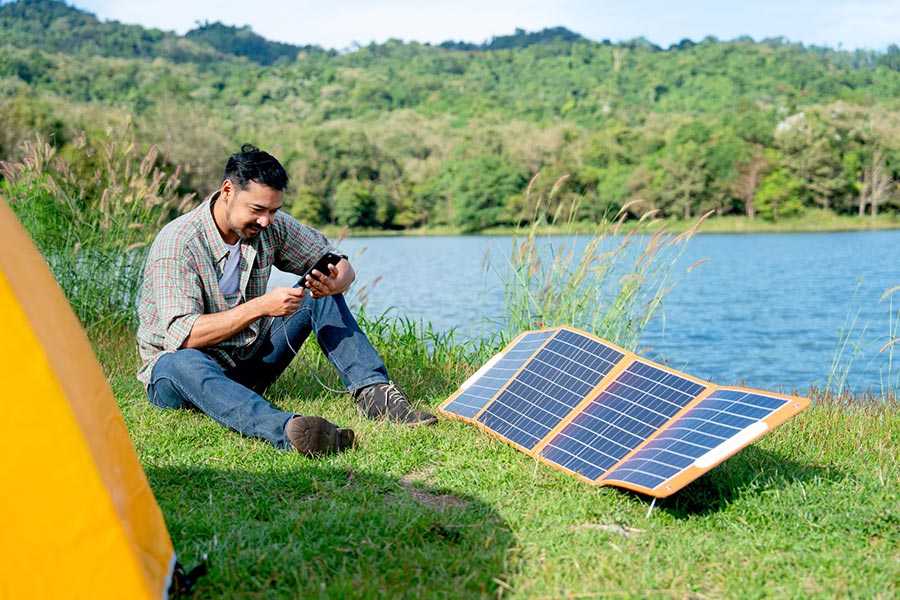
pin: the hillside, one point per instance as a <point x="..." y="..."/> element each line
<point x="400" y="135"/>
<point x="53" y="26"/>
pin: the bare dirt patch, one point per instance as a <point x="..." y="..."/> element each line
<point x="412" y="484"/>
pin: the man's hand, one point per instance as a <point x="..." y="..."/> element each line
<point x="213" y="328"/>
<point x="336" y="281"/>
<point x="282" y="301"/>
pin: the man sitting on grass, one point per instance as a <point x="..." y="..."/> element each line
<point x="212" y="338"/>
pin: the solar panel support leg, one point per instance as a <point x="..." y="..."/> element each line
<point x="652" y="504"/>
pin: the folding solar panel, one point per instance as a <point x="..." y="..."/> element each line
<point x="609" y="417"/>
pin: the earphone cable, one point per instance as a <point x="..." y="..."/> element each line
<point x="297" y="354"/>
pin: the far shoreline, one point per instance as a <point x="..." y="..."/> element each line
<point x="820" y="221"/>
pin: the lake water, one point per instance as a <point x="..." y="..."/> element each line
<point x="764" y="310"/>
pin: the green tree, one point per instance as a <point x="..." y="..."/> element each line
<point x="354" y="205"/>
<point x="308" y="208"/>
<point x="479" y="189"/>
<point x="683" y="179"/>
<point x="778" y="196"/>
<point x="407" y="121"/>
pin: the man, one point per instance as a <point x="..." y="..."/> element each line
<point x="211" y="337"/>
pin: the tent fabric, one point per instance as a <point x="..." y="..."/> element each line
<point x="79" y="519"/>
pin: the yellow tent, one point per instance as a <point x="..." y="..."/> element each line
<point x="78" y="517"/>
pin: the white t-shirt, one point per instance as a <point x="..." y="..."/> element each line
<point x="230" y="280"/>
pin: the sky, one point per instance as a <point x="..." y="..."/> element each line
<point x="341" y="24"/>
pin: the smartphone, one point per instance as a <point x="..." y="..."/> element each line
<point x="321" y="265"/>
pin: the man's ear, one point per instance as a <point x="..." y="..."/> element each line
<point x="226" y="192"/>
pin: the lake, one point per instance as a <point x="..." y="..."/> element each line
<point x="765" y="310"/>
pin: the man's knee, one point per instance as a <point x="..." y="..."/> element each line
<point x="163" y="394"/>
<point x="173" y="375"/>
<point x="183" y="364"/>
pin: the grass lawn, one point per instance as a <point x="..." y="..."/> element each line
<point x="810" y="510"/>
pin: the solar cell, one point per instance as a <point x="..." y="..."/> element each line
<point x="711" y="424"/>
<point x="629" y="410"/>
<point x="589" y="408"/>
<point x="556" y="380"/>
<point x="478" y="390"/>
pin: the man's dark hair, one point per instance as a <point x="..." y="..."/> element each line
<point x="252" y="164"/>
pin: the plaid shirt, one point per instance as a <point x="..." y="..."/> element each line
<point x="181" y="281"/>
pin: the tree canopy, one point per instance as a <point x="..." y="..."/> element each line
<point x="400" y="135"/>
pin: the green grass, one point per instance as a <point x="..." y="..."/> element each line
<point x="812" y="220"/>
<point x="810" y="510"/>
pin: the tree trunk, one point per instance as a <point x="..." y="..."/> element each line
<point x="746" y="184"/>
<point x="881" y="182"/>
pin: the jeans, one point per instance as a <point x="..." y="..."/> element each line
<point x="190" y="378"/>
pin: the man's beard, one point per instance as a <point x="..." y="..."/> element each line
<point x="250" y="232"/>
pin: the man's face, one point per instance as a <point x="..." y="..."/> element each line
<point x="249" y="211"/>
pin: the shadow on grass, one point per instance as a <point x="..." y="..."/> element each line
<point x="751" y="471"/>
<point x="319" y="531"/>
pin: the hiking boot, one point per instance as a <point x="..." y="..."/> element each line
<point x="314" y="436"/>
<point x="383" y="401"/>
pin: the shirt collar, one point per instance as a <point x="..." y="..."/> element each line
<point x="216" y="243"/>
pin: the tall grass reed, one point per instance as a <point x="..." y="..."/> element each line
<point x="92" y="209"/>
<point x="610" y="282"/>
<point x="856" y="343"/>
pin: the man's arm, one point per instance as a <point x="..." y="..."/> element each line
<point x="210" y="329"/>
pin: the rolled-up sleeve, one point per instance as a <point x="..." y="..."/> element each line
<point x="179" y="299"/>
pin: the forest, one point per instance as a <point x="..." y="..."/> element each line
<point x="410" y="136"/>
